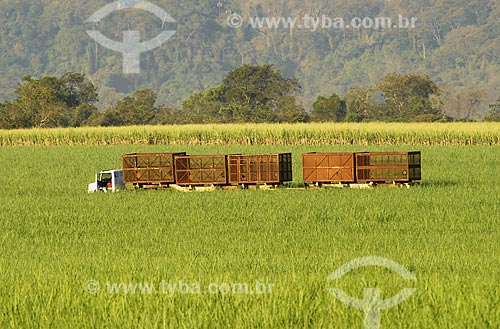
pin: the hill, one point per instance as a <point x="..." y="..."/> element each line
<point x="456" y="43"/>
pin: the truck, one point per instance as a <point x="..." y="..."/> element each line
<point x="108" y="180"/>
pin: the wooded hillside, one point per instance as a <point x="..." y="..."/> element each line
<point x="456" y="43"/>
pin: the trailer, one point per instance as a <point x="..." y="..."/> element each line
<point x="361" y="169"/>
<point x="388" y="167"/>
<point x="150" y="169"/>
<point x="256" y="169"/>
<point x="201" y="170"/>
<point x="329" y="167"/>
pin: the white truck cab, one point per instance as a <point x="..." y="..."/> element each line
<point x="108" y="180"/>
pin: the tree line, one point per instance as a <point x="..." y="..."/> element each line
<point x="256" y="94"/>
<point x="456" y="42"/>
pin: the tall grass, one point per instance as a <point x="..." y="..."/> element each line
<point x="452" y="134"/>
<point x="55" y="237"/>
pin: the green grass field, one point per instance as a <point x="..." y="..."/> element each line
<point x="63" y="249"/>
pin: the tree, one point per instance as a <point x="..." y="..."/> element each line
<point x="331" y="109"/>
<point x="288" y="110"/>
<point x="138" y="109"/>
<point x="473" y="99"/>
<point x="79" y="96"/>
<point x="407" y="96"/>
<point x="465" y="105"/>
<point x="52" y="102"/>
<point x="83" y="114"/>
<point x="5" y="117"/>
<point x="39" y="104"/>
<point x="494" y="114"/>
<point x="76" y="91"/>
<point x="205" y="106"/>
<point x="168" y="116"/>
<point x="260" y="94"/>
<point x="359" y="104"/>
<point x="248" y="94"/>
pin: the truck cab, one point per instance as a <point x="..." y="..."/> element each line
<point x="108" y="180"/>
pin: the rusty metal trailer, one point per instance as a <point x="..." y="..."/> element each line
<point x="201" y="170"/>
<point x="381" y="167"/>
<point x="141" y="169"/>
<point x="336" y="169"/>
<point x="332" y="167"/>
<point x="361" y="168"/>
<point x="255" y="169"/>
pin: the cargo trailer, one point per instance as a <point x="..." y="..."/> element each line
<point x="255" y="169"/>
<point x="201" y="170"/>
<point x="328" y="167"/>
<point x="394" y="167"/>
<point x="142" y="169"/>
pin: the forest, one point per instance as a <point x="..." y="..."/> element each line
<point x="248" y="94"/>
<point x="455" y="43"/>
